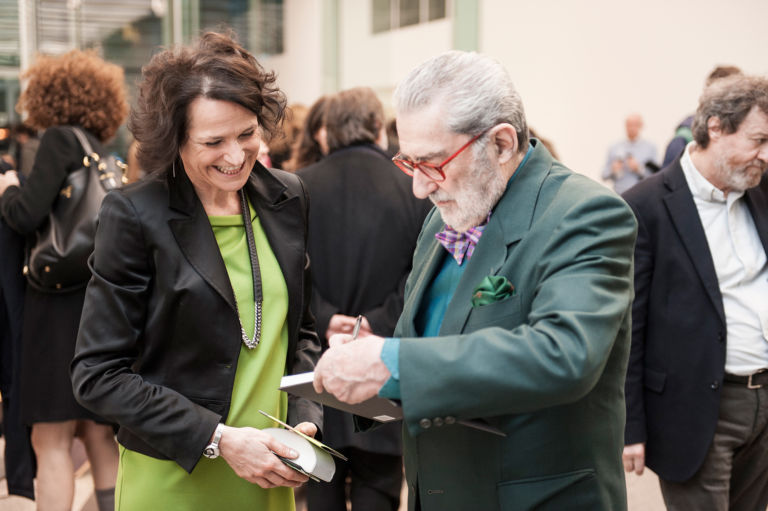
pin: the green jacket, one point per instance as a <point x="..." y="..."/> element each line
<point x="545" y="365"/>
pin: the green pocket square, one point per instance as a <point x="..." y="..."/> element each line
<point x="492" y="288"/>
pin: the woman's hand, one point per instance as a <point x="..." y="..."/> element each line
<point x="251" y="454"/>
<point x="10" y="178"/>
<point x="308" y="428"/>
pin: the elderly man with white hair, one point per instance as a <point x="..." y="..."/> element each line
<point x="510" y="354"/>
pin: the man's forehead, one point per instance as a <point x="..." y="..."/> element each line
<point x="423" y="132"/>
<point x="756" y="122"/>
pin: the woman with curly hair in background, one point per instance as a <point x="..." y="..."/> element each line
<point x="75" y="89"/>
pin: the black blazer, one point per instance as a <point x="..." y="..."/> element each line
<point x="159" y="335"/>
<point x="677" y="360"/>
<point x="364" y="225"/>
<point x="363" y="229"/>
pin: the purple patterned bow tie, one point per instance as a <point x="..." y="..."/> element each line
<point x="461" y="244"/>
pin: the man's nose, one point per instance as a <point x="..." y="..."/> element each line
<point x="422" y="185"/>
<point x="762" y="154"/>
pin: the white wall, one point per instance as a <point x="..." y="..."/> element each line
<point x="300" y="67"/>
<point x="581" y="67"/>
<point x="381" y="60"/>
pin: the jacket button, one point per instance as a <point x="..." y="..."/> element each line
<point x="437" y="421"/>
<point x="450" y="420"/>
<point x="715" y="385"/>
<point x="720" y="336"/>
<point x="425" y="423"/>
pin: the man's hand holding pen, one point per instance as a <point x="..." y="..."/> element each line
<point x="351" y="369"/>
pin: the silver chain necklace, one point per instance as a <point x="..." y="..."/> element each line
<point x="256" y="274"/>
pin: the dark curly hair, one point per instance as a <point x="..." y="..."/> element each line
<point x="77" y="88"/>
<point x="217" y="67"/>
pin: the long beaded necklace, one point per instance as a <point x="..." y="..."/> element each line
<point x="257" y="294"/>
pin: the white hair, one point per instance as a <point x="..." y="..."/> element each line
<point x="476" y="90"/>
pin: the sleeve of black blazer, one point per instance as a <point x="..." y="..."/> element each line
<point x="635" y="431"/>
<point x="308" y="346"/>
<point x="102" y="369"/>
<point x="25" y="209"/>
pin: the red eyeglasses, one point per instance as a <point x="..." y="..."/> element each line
<point x="432" y="171"/>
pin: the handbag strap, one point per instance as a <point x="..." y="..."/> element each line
<point x="84" y="142"/>
<point x="107" y="179"/>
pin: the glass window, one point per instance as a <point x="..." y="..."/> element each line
<point x="258" y="25"/>
<point x="409" y="12"/>
<point x="382" y="16"/>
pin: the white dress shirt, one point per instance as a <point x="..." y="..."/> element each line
<point x="741" y="266"/>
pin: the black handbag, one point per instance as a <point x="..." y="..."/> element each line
<point x="57" y="259"/>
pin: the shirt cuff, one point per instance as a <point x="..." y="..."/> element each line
<point x="390" y="354"/>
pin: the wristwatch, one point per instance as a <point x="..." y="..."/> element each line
<point x="212" y="450"/>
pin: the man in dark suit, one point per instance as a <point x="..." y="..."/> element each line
<point x="697" y="384"/>
<point x="516" y="315"/>
<point x="363" y="226"/>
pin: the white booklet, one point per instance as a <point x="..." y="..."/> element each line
<point x="376" y="408"/>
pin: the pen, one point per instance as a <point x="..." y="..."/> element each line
<point x="357" y="327"/>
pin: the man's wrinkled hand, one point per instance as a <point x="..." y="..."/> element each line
<point x="352" y="371"/>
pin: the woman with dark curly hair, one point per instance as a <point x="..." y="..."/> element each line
<point x="199" y="301"/>
<point x="75" y="89"/>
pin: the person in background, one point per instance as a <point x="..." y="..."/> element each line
<point x="281" y="146"/>
<point x="363" y="228"/>
<point x="311" y="144"/>
<point x="133" y="171"/>
<point x="59" y="91"/>
<point x="683" y="133"/>
<point x="511" y="351"/>
<point x="26" y="143"/>
<point x="630" y="160"/>
<point x="18" y="456"/>
<point x="697" y="383"/>
<point x="199" y="301"/>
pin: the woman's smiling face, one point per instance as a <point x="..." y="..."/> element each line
<point x="222" y="144"/>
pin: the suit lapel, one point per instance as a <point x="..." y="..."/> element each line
<point x="195" y="237"/>
<point x="757" y="202"/>
<point x="685" y="217"/>
<point x="426" y="262"/>
<point x="282" y="219"/>
<point x="511" y="219"/>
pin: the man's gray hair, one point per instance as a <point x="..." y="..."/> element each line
<point x="476" y="90"/>
<point x="730" y="100"/>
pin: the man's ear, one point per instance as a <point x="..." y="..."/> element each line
<point x="504" y="138"/>
<point x="713" y="128"/>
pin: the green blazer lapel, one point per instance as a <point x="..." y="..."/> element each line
<point x="511" y="219"/>
<point x="426" y="261"/>
<point x="195" y="237"/>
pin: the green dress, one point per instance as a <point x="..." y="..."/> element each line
<point x="144" y="482"/>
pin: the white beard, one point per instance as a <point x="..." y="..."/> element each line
<point x="742" y="178"/>
<point x="478" y="191"/>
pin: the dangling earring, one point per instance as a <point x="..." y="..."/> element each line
<point x="174" y="168"/>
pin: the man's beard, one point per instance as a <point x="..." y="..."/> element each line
<point x="477" y="192"/>
<point x="739" y="179"/>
